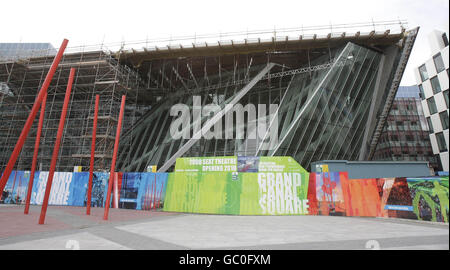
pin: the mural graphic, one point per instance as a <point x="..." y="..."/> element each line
<point x="143" y="191"/>
<point x="429" y="198"/>
<point x="412" y="198"/>
<point x="244" y="194"/>
<point x="278" y="187"/>
<point x="15" y="191"/>
<point x="327" y="192"/>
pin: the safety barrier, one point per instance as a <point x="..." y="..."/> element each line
<point x="245" y="193"/>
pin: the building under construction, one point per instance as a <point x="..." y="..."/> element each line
<point x="333" y="90"/>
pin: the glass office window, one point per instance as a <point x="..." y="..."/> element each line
<point x="430" y="125"/>
<point x="423" y="73"/>
<point x="422" y="93"/>
<point x="441" y="142"/>
<point x="432" y="105"/>
<point x="444" y="119"/>
<point x="435" y="85"/>
<point x="438" y="63"/>
<point x="445" y="39"/>
<point x="446" y="97"/>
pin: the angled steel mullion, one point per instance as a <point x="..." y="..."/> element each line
<point x="144" y="124"/>
<point x="311" y="98"/>
<point x="315" y="77"/>
<point x="149" y="140"/>
<point x="342" y="143"/>
<point x="216" y="117"/>
<point x="343" y="107"/>
<point x="140" y="143"/>
<point x="272" y="122"/>
<point x="361" y="123"/>
<point x="291" y="136"/>
<point x="331" y="111"/>
<point x="159" y="135"/>
<point x="299" y="107"/>
<point x="321" y="113"/>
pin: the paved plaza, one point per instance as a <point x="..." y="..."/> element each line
<point x="69" y="228"/>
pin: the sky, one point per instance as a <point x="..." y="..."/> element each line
<point x="85" y="22"/>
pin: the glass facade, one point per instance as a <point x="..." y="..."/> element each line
<point x="435" y="85"/>
<point x="430" y="125"/>
<point x="438" y="63"/>
<point x="322" y="114"/>
<point x="423" y="73"/>
<point x="327" y="121"/>
<point x="441" y="142"/>
<point x="422" y="93"/>
<point x="446" y="98"/>
<point x="432" y="105"/>
<point x="444" y="119"/>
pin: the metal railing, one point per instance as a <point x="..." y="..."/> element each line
<point x="226" y="38"/>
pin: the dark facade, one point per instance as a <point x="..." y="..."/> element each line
<point x="405" y="136"/>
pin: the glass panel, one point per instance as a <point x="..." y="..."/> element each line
<point x="444" y="119"/>
<point x="422" y="93"/>
<point x="432" y="105"/>
<point x="435" y="85"/>
<point x="423" y="73"/>
<point x="430" y="125"/>
<point x="438" y="63"/>
<point x="441" y="142"/>
<point x="446" y="97"/>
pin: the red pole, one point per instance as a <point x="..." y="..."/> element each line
<point x="149" y="200"/>
<point x="56" y="148"/>
<point x="31" y="116"/>
<point x="154" y="195"/>
<point x="91" y="169"/>
<point x="113" y="163"/>
<point x="35" y="154"/>
<point x="159" y="196"/>
<point x="144" y="203"/>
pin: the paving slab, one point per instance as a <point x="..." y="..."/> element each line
<point x="215" y="231"/>
<point x="70" y="228"/>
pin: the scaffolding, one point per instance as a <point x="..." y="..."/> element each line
<point x="97" y="72"/>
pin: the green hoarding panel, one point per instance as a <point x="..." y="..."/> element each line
<point x="268" y="193"/>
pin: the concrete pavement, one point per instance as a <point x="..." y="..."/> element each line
<point x="70" y="228"/>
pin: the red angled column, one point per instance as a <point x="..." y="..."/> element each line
<point x="31" y="116"/>
<point x="154" y="194"/>
<point x="56" y="148"/>
<point x="35" y="154"/>
<point x="91" y="168"/>
<point x="113" y="163"/>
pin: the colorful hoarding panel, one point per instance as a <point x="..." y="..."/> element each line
<point x="429" y="198"/>
<point x="143" y="191"/>
<point x="15" y="190"/>
<point x="238" y="164"/>
<point x="129" y="190"/>
<point x="325" y="194"/>
<point x="412" y="198"/>
<point x="236" y="193"/>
